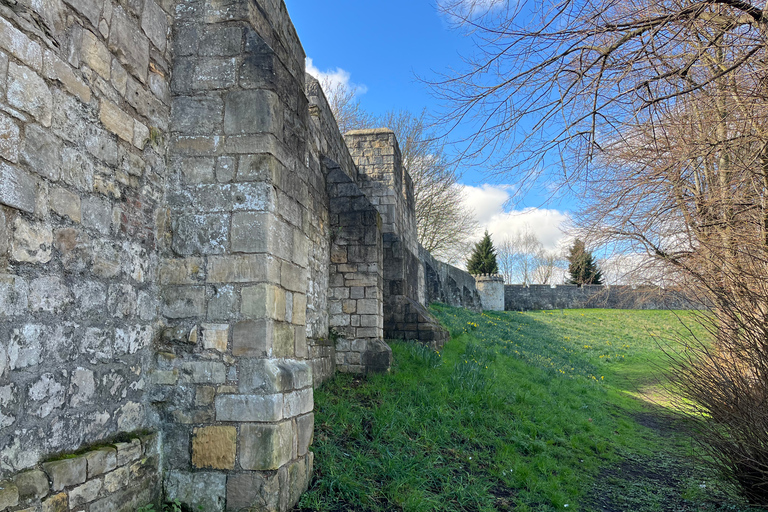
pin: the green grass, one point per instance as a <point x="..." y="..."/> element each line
<point x="521" y="411"/>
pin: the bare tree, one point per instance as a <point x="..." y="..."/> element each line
<point x="444" y="225"/>
<point x="523" y="259"/>
<point x="666" y="98"/>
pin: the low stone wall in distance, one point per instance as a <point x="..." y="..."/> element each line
<point x="518" y="297"/>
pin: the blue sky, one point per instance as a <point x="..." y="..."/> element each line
<point x="382" y="47"/>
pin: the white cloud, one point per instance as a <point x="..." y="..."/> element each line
<point x="335" y="78"/>
<point x="488" y="202"/>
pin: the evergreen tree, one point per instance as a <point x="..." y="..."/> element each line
<point x="483" y="259"/>
<point x="582" y="267"/>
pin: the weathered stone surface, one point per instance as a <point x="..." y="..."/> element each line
<point x="205" y="489"/>
<point x="206" y="372"/>
<point x="252" y="489"/>
<point x="95" y="54"/>
<point x="85" y="493"/>
<point x="183" y="301"/>
<point x="265" y="447"/>
<point x="91" y="9"/>
<point x="56" y="503"/>
<point x="270" y="376"/>
<point x="32" y="243"/>
<point x="249" y="407"/>
<point x="252" y="111"/>
<point x="96" y="213"/>
<point x="305" y="429"/>
<point x="214" y="447"/>
<point x="101" y="461"/>
<point x="129" y="44"/>
<point x="17" y="188"/>
<point x="32" y="485"/>
<point x="65" y="203"/>
<point x="27" y="91"/>
<point x="263" y="301"/>
<point x="154" y="24"/>
<point x="197" y="115"/>
<point x="251" y="338"/>
<point x="200" y="234"/>
<point x="298" y="402"/>
<point x="41" y="151"/>
<point x="20" y="46"/>
<point x="243" y="269"/>
<point x="215" y="336"/>
<point x="64" y="473"/>
<point x="116" y="120"/>
<point x="9" y="138"/>
<point x="127" y="452"/>
<point x="56" y="69"/>
<point x="9" y="495"/>
<point x="14" y="293"/>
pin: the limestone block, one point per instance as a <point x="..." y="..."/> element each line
<point x="222" y="303"/>
<point x="183" y="301"/>
<point x="225" y="169"/>
<point x="305" y="428"/>
<point x="197" y="115"/>
<point x="65" y="203"/>
<point x="293" y="277"/>
<point x="213" y="73"/>
<point x="214" y="447"/>
<point x="261" y="167"/>
<point x="249" y="407"/>
<point x="96" y="55"/>
<point x="129" y="44"/>
<point x="265" y="447"/>
<point x="121" y="300"/>
<point x="283" y="340"/>
<point x="221" y="41"/>
<point x="91" y="9"/>
<point x="74" y="247"/>
<point x="298" y="402"/>
<point x="117" y="479"/>
<point x="41" y="151"/>
<point x="9" y="138"/>
<point x="206" y="372"/>
<point x="252" y="111"/>
<point x="14" y="293"/>
<point x="64" y="473"/>
<point x="31" y="243"/>
<point x="20" y="46"/>
<point x="9" y="495"/>
<point x="96" y="213"/>
<point x="17" y="188"/>
<point x="101" y="461"/>
<point x="56" y="69"/>
<point x="200" y="234"/>
<point x="299" y="476"/>
<point x="154" y="24"/>
<point x="263" y="301"/>
<point x="201" y="488"/>
<point x="32" y="485"/>
<point x="28" y="92"/>
<point x="3" y="73"/>
<point x="127" y="452"/>
<point x="116" y="120"/>
<point x="204" y="395"/>
<point x="254" y="196"/>
<point x="243" y="268"/>
<point x="215" y="336"/>
<point x="164" y="377"/>
<point x="196" y="170"/>
<point x="81" y="387"/>
<point x="246" y="489"/>
<point x="85" y="493"/>
<point x="56" y="503"/>
<point x="181" y="270"/>
<point x="141" y="135"/>
<point x="269" y="376"/>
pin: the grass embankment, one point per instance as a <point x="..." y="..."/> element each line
<point x="521" y="411"/>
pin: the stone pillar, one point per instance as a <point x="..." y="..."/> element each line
<point x="233" y="382"/>
<point x="491" y="290"/>
<point x="355" y="299"/>
<point x="389" y="188"/>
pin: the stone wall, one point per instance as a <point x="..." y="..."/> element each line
<point x="525" y="298"/>
<point x="188" y="246"/>
<point x="84" y="115"/>
<point x="491" y="290"/>
<point x="448" y="284"/>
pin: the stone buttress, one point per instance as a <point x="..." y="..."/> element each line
<point x="234" y="385"/>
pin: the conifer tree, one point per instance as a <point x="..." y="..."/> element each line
<point x="582" y="266"/>
<point x="483" y="259"/>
